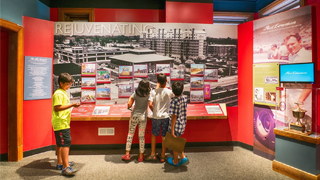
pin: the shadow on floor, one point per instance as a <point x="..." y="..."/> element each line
<point x="41" y="169"/>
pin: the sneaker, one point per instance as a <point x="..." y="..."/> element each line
<point x="59" y="167"/>
<point x="170" y="161"/>
<point x="184" y="161"/>
<point x="68" y="171"/>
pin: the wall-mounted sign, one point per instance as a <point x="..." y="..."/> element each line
<point x="37" y="78"/>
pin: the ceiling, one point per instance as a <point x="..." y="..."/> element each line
<point x="218" y="5"/>
<point x="224" y="11"/>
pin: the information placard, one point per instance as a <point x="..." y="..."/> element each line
<point x="37" y="78"/>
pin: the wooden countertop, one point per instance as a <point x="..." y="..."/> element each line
<point x="297" y="135"/>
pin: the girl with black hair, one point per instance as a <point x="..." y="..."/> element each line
<point x="138" y="117"/>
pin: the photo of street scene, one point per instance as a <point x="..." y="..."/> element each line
<point x="152" y="44"/>
<point x="163" y="68"/>
<point x="103" y="93"/>
<point x="211" y="75"/>
<point x="197" y="69"/>
<point x="88" y="96"/>
<point x="88" y="69"/>
<point x="125" y="71"/>
<point x="196" y="96"/>
<point x="125" y="90"/>
<point x="177" y="74"/>
<point x="140" y="70"/>
<point x="88" y="83"/>
<point x="196" y="83"/>
<point x="103" y="76"/>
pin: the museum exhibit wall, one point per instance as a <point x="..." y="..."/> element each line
<point x="238" y="126"/>
<point x="4" y="38"/>
<point x="37" y="128"/>
<point x="246" y="62"/>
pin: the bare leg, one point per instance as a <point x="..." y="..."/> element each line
<point x="65" y="156"/>
<point x="175" y="157"/>
<point x="163" y="153"/>
<point x="182" y="155"/>
<point x="153" y="144"/>
<point x="58" y="153"/>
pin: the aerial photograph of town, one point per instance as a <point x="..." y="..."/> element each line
<point x="122" y="60"/>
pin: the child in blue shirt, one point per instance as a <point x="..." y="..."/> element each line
<point x="178" y="121"/>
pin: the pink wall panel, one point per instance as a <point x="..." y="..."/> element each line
<point x="128" y="15"/>
<point x="181" y="12"/>
<point x="4" y="38"/>
<point x="37" y="128"/>
<point x="245" y="84"/>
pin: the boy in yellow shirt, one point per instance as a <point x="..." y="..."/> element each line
<point x="61" y="114"/>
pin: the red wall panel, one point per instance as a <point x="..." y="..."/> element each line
<point x="245" y="84"/>
<point x="214" y="130"/>
<point x="54" y="14"/>
<point x="4" y="38"/>
<point x="128" y="15"/>
<point x="182" y="12"/>
<point x="37" y="128"/>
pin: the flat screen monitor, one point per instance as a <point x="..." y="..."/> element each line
<point x="296" y="73"/>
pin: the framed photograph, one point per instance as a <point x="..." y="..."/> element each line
<point x="140" y="70"/>
<point x="104" y="93"/>
<point x="125" y="72"/>
<point x="88" y="69"/>
<point x="101" y="110"/>
<point x="196" y="69"/>
<point x="258" y="94"/>
<point x="177" y="74"/>
<point x="196" y="96"/>
<point x="168" y="85"/>
<point x="135" y="85"/>
<point x="125" y="90"/>
<point x="196" y="83"/>
<point x="88" y="96"/>
<point x="163" y="68"/>
<point x="271" y="97"/>
<point x="207" y="92"/>
<point x="103" y="76"/>
<point x="211" y="75"/>
<point x="88" y="82"/>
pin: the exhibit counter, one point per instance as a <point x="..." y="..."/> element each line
<point x="297" y="154"/>
<point x="114" y="112"/>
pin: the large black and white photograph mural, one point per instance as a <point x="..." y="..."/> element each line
<point x="151" y="48"/>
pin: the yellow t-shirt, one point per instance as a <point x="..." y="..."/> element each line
<point x="61" y="119"/>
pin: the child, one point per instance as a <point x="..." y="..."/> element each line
<point x="159" y="102"/>
<point x="138" y="116"/>
<point x="178" y="121"/>
<point x="61" y="113"/>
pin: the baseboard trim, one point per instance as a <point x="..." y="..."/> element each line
<point x="158" y="145"/>
<point x="4" y="157"/>
<point x="39" y="150"/>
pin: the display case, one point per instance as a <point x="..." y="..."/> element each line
<point x="297" y="110"/>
